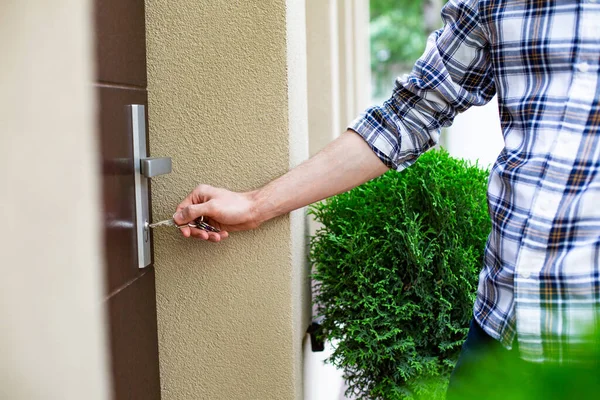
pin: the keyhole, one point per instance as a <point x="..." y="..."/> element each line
<point x="146" y="231"/>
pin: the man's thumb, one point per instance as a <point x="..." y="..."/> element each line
<point x="190" y="213"/>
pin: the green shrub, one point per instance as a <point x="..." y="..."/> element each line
<point x="396" y="266"/>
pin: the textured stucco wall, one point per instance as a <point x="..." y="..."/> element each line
<point x="52" y="340"/>
<point x="227" y="101"/>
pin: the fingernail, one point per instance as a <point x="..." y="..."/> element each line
<point x="177" y="216"/>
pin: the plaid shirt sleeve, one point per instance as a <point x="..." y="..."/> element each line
<point x="453" y="74"/>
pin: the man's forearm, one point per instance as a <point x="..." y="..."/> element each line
<point x="344" y="164"/>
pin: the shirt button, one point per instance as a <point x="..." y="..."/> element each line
<point x="525" y="274"/>
<point x="583" y="67"/>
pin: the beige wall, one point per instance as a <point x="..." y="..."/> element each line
<point x="323" y="72"/>
<point x="52" y="342"/>
<point x="227" y="100"/>
<point x="339" y="72"/>
<point x="354" y="58"/>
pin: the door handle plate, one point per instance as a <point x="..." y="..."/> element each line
<point x="142" y="209"/>
<point x="144" y="168"/>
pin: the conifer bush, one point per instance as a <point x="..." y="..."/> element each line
<point x="396" y="266"/>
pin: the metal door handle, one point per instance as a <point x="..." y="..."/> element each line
<point x="155" y="166"/>
<point x="145" y="167"/>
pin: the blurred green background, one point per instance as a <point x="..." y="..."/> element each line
<point x="398" y="33"/>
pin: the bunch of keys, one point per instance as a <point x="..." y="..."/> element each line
<point x="197" y="223"/>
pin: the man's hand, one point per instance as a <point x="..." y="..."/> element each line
<point x="223" y="209"/>
<point x="345" y="163"/>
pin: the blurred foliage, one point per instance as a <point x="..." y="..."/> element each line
<point x="398" y="38"/>
<point x="397" y="32"/>
<point x="508" y="377"/>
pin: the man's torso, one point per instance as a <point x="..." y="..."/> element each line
<point x="541" y="276"/>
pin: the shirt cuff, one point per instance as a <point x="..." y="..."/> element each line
<point x="370" y="126"/>
<point x="389" y="138"/>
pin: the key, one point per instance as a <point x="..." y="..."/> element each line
<point x="198" y="223"/>
<point x="166" y="222"/>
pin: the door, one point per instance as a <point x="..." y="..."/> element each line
<point x="120" y="83"/>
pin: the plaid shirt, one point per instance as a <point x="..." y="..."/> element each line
<point x="540" y="281"/>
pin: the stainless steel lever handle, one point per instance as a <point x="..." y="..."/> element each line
<point x="155" y="166"/>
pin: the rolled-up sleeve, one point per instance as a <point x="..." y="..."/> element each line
<point x="453" y="74"/>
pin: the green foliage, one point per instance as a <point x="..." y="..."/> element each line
<point x="397" y="31"/>
<point x="396" y="266"/>
<point x="397" y="39"/>
<point x="398" y="35"/>
<point x="506" y="376"/>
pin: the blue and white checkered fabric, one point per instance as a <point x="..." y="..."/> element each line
<point x="540" y="281"/>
